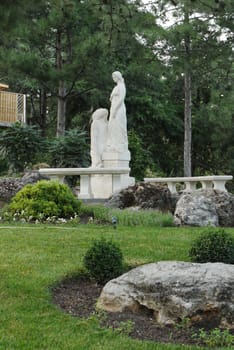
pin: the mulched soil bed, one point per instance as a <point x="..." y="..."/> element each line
<point x="78" y="296"/>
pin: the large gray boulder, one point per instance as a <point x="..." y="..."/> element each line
<point x="143" y="195"/>
<point x="195" y="209"/>
<point x="205" y="207"/>
<point x="224" y="205"/>
<point x="172" y="291"/>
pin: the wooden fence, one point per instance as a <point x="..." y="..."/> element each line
<point x="12" y="108"/>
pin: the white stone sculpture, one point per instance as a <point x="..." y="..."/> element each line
<point x="117" y="139"/>
<point x="109" y="145"/>
<point x="98" y="136"/>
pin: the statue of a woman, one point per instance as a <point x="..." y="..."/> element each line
<point x="117" y="139"/>
<point x="98" y="135"/>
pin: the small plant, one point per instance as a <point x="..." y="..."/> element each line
<point x="184" y="323"/>
<point x="101" y="315"/>
<point x="104" y="260"/>
<point x="44" y="201"/>
<point x="216" y="337"/>
<point x="213" y="246"/>
<point x="125" y="327"/>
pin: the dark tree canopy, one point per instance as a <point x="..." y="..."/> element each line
<point x="62" y="53"/>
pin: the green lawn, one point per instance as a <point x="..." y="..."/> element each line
<point x="34" y="257"/>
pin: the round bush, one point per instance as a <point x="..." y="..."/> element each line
<point x="213" y="246"/>
<point x="44" y="199"/>
<point x="104" y="260"/>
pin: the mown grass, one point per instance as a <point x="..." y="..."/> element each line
<point x="34" y="257"/>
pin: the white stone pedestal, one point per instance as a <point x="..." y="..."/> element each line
<point x="119" y="160"/>
<point x="101" y="186"/>
<point x="116" y="159"/>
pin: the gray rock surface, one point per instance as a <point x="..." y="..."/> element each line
<point x="172" y="291"/>
<point x="143" y="195"/>
<point x="224" y="205"/>
<point x="10" y="186"/>
<point x="32" y="177"/>
<point x="195" y="209"/>
<point x="205" y="207"/>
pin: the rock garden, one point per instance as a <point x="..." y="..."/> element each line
<point x="181" y="298"/>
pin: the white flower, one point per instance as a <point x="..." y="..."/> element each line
<point x="61" y="220"/>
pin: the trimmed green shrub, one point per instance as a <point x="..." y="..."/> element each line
<point x="104" y="260"/>
<point x="43" y="200"/>
<point x="213" y="246"/>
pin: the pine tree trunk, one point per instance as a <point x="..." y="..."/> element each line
<point x="61" y="109"/>
<point x="187" y="125"/>
<point x="61" y="105"/>
<point x="43" y="109"/>
<point x="187" y="106"/>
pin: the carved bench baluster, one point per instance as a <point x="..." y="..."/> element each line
<point x="217" y="182"/>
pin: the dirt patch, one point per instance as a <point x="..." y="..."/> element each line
<point x="78" y="297"/>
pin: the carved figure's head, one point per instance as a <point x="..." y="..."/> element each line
<point x="117" y="76"/>
<point x="100" y="113"/>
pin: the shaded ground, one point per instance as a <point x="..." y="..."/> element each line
<point x="78" y="296"/>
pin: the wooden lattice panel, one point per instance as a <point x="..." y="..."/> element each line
<point x="12" y="107"/>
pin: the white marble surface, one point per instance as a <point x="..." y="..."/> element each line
<point x="98" y="135"/>
<point x="217" y="182"/>
<point x="117" y="139"/>
<point x="95" y="183"/>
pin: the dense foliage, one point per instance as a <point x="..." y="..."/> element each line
<point x="62" y="53"/>
<point x="43" y="200"/>
<point x="104" y="260"/>
<point x="141" y="159"/>
<point x="19" y="146"/>
<point x="70" y="150"/>
<point x="213" y="246"/>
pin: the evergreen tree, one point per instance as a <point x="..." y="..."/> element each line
<point x="197" y="40"/>
<point x="62" y="53"/>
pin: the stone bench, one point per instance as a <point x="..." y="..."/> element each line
<point x="109" y="181"/>
<point x="217" y="182"/>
